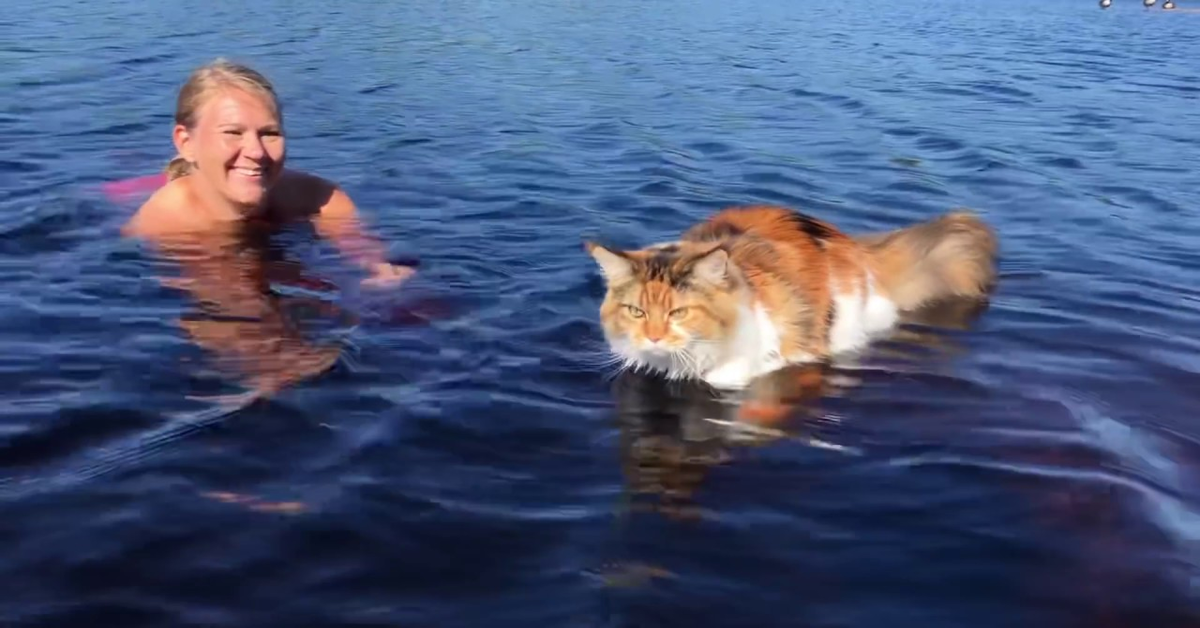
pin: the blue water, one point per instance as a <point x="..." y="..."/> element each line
<point x="475" y="464"/>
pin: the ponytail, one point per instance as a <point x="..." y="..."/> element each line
<point x="177" y="167"/>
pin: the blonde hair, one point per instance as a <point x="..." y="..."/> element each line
<point x="217" y="74"/>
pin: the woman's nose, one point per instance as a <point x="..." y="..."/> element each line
<point x="252" y="146"/>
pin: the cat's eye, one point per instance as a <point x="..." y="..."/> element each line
<point x="635" y="311"/>
<point x="678" y="313"/>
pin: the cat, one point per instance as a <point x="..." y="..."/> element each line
<point x="755" y="288"/>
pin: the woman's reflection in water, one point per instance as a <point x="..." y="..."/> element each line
<point x="247" y="327"/>
<point x="673" y="433"/>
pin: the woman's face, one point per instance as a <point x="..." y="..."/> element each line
<point x="236" y="146"/>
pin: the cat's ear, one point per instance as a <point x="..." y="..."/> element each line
<point x="711" y="266"/>
<point x="616" y="267"/>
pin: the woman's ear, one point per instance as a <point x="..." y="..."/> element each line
<point x="183" y="143"/>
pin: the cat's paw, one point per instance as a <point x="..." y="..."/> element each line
<point x="733" y="375"/>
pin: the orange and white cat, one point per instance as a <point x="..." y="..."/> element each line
<point x="755" y="288"/>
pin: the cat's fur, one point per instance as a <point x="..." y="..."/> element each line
<point x="754" y="288"/>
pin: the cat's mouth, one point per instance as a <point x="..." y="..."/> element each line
<point x="659" y="349"/>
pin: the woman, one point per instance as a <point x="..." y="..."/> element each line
<point x="227" y="192"/>
<point x="230" y="172"/>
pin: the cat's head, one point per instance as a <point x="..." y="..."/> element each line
<point x="666" y="303"/>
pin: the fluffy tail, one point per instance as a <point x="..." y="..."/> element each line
<point x="953" y="255"/>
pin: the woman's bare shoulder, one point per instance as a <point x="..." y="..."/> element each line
<point x="300" y="178"/>
<point x="303" y="194"/>
<point x="163" y="213"/>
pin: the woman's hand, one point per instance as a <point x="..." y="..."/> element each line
<point x="337" y="219"/>
<point x="385" y="275"/>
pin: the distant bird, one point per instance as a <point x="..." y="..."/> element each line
<point x="1104" y="4"/>
<point x="1148" y="3"/>
<point x="1168" y="5"/>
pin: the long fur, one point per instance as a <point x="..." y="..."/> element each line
<point x="754" y="288"/>
<point x="951" y="256"/>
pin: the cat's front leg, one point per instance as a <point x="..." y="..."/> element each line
<point x="733" y="374"/>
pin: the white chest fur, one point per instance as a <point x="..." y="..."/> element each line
<point x="751" y="351"/>
<point x="859" y="315"/>
<point x="754" y="349"/>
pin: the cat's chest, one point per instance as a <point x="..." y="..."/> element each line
<point x="764" y="337"/>
<point x="753" y="350"/>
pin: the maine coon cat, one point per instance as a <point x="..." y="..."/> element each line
<point x="752" y="289"/>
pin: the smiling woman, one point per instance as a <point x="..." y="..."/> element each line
<point x="229" y="172"/>
<point x="227" y="191"/>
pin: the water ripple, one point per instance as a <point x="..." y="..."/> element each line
<point x="470" y="457"/>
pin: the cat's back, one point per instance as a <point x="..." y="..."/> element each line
<point x="770" y="224"/>
<point x="779" y="241"/>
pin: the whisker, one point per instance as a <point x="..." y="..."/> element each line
<point x="689" y="363"/>
<point x="615" y="364"/>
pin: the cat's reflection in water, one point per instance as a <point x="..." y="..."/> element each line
<point x="673" y="432"/>
<point x="249" y="329"/>
<point x="667" y="441"/>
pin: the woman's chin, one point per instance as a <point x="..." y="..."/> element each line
<point x="247" y="190"/>
<point x="246" y="196"/>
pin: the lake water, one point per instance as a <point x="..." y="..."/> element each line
<point x="469" y="461"/>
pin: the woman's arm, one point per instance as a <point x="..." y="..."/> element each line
<point x="338" y="220"/>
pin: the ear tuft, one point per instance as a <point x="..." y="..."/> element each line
<point x="614" y="265"/>
<point x="712" y="266"/>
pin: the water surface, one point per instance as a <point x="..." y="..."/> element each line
<point x="474" y="464"/>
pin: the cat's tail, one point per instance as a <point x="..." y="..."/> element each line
<point x="951" y="256"/>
